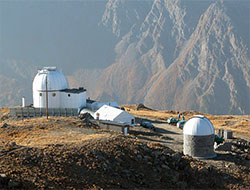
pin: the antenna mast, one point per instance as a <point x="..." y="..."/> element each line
<point x="47" y="102"/>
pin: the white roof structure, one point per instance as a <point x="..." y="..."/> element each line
<point x="198" y="125"/>
<point x="55" y="80"/>
<point x="110" y="113"/>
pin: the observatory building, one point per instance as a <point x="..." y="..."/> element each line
<point x="51" y="85"/>
<point x="198" y="134"/>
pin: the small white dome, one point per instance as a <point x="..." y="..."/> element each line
<point x="55" y="80"/>
<point x="198" y="125"/>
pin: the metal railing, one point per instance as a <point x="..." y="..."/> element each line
<point x="29" y="112"/>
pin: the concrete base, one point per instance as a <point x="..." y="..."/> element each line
<point x="206" y="157"/>
<point x="201" y="147"/>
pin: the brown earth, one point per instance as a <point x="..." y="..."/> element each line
<point x="63" y="153"/>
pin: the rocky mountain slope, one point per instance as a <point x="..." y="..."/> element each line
<point x="170" y="54"/>
<point x="170" y="61"/>
<point x="15" y="81"/>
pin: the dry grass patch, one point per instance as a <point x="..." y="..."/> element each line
<point x="237" y="123"/>
<point x="37" y="132"/>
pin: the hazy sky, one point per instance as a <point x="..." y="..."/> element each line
<point x="55" y="33"/>
<point x="66" y="33"/>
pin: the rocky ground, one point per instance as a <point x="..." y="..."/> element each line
<point x="64" y="153"/>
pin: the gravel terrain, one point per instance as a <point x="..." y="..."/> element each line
<point x="64" y="153"/>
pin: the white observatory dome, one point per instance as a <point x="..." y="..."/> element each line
<point x="198" y="125"/>
<point x="55" y="80"/>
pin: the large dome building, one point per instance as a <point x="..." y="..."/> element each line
<point x="53" y="81"/>
<point x="55" y="78"/>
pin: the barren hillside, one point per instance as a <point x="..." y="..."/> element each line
<point x="64" y="153"/>
<point x="180" y="59"/>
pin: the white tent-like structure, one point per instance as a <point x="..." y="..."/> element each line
<point x="51" y="84"/>
<point x="110" y="113"/>
<point x="198" y="134"/>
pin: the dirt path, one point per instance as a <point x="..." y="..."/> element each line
<point x="164" y="134"/>
<point x="173" y="135"/>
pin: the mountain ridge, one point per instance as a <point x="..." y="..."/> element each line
<point x="177" y="55"/>
<point x="201" y="64"/>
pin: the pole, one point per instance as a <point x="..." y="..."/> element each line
<point x="47" y="102"/>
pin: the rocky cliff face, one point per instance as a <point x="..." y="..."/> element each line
<point x="142" y="53"/>
<point x="168" y="64"/>
<point x="211" y="73"/>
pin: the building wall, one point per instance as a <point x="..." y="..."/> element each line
<point x="59" y="99"/>
<point x="39" y="99"/>
<point x="90" y="106"/>
<point x="125" y="117"/>
<point x="71" y="100"/>
<point x="36" y="99"/>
